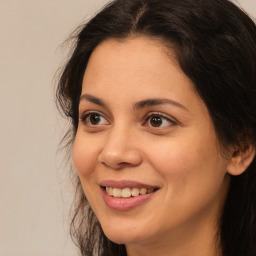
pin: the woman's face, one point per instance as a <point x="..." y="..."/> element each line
<point x="144" y="129"/>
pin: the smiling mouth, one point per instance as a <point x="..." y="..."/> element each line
<point x="127" y="192"/>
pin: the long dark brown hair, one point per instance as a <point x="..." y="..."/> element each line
<point x="215" y="45"/>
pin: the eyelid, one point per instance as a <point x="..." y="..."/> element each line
<point x="171" y="119"/>
<point x="87" y="113"/>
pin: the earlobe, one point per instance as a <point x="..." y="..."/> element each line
<point x="241" y="159"/>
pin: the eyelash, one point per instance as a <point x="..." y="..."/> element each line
<point x="162" y="117"/>
<point x="84" y="119"/>
<point x="86" y="115"/>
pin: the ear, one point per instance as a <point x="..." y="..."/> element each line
<point x="241" y="159"/>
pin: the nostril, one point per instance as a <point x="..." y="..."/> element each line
<point x="112" y="166"/>
<point x="119" y="150"/>
<point x="119" y="160"/>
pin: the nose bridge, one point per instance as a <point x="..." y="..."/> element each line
<point x="118" y="135"/>
<point x="120" y="147"/>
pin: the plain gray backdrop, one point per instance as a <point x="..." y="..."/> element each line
<point x="35" y="192"/>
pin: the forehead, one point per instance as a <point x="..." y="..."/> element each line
<point x="139" y="61"/>
<point x="134" y="54"/>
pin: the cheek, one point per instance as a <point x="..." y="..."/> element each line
<point x="84" y="155"/>
<point x="172" y="158"/>
<point x="85" y="158"/>
<point x="189" y="164"/>
<point x="193" y="179"/>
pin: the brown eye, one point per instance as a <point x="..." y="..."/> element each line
<point x="94" y="119"/>
<point x="156" y="121"/>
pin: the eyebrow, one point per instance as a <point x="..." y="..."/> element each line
<point x="138" y="105"/>
<point x="92" y="99"/>
<point x="156" y="101"/>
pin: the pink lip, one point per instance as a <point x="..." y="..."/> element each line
<point x="125" y="204"/>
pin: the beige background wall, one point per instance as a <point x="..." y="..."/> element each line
<point x="35" y="193"/>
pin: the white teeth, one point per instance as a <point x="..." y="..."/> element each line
<point x="127" y="192"/>
<point x="143" y="191"/>
<point x="109" y="191"/>
<point x="117" y="192"/>
<point x="135" y="191"/>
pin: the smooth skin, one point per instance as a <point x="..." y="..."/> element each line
<point x="171" y="144"/>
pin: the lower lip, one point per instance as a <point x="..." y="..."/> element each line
<point x="125" y="204"/>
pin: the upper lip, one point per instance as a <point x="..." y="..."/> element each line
<point x="125" y="184"/>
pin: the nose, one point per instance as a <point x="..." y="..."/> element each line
<point x="120" y="150"/>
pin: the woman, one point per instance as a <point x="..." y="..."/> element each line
<point x="161" y="95"/>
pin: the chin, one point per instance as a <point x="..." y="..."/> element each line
<point x="122" y="235"/>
